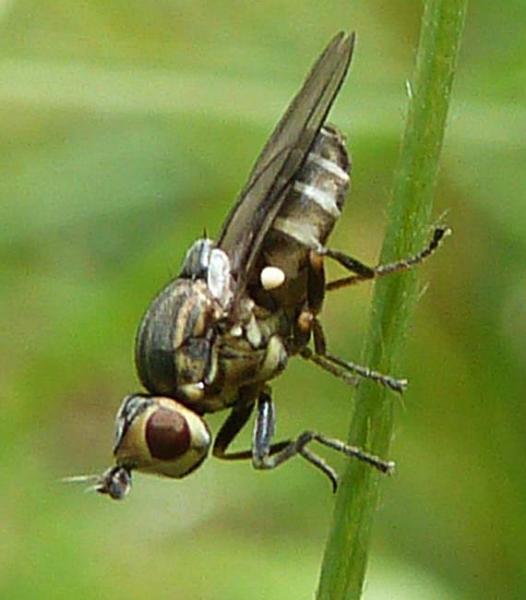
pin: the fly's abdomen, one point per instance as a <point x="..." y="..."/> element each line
<point x="316" y="199"/>
<point x="307" y="217"/>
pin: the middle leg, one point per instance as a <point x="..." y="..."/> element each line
<point x="308" y="321"/>
<point x="343" y="368"/>
<point x="235" y="421"/>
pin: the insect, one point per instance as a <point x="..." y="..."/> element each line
<point x="240" y="308"/>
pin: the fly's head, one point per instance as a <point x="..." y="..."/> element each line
<point x="154" y="435"/>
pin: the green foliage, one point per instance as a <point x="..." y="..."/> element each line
<point x="372" y="426"/>
<point x="126" y="128"/>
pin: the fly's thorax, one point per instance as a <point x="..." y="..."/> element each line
<point x="241" y="364"/>
<point x="250" y="351"/>
<point x="159" y="435"/>
<point x="174" y="344"/>
<point x="186" y="349"/>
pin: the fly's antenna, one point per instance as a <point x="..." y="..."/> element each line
<point x="115" y="482"/>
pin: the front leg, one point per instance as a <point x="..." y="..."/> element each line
<point x="263" y="458"/>
<point x="235" y="421"/>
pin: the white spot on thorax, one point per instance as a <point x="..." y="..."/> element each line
<point x="236" y="331"/>
<point x="271" y="278"/>
<point x="193" y="391"/>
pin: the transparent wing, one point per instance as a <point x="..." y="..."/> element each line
<point x="284" y="153"/>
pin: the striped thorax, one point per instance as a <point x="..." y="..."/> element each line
<point x="186" y="347"/>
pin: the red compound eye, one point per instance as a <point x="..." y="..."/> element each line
<point x="167" y="434"/>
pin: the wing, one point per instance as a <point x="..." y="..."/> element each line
<point x="263" y="195"/>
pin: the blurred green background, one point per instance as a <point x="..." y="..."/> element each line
<point x="126" y="128"/>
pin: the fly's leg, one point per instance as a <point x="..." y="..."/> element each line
<point x="263" y="458"/>
<point x="308" y="322"/>
<point x="344" y="369"/>
<point x="235" y="421"/>
<point x="364" y="273"/>
<point x="264" y="429"/>
<point x="347" y="370"/>
<point x="315" y="296"/>
<point x="315" y="282"/>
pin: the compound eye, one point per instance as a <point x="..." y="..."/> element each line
<point x="167" y="434"/>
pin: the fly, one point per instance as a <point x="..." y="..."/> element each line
<point x="216" y="336"/>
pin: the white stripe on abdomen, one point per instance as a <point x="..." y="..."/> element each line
<point x="325" y="200"/>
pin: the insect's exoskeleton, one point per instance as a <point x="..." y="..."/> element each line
<point x="186" y="349"/>
<point x="154" y="435"/>
<point x="304" y="223"/>
<point x="174" y="345"/>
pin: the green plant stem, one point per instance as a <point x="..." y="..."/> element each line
<point x="345" y="560"/>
